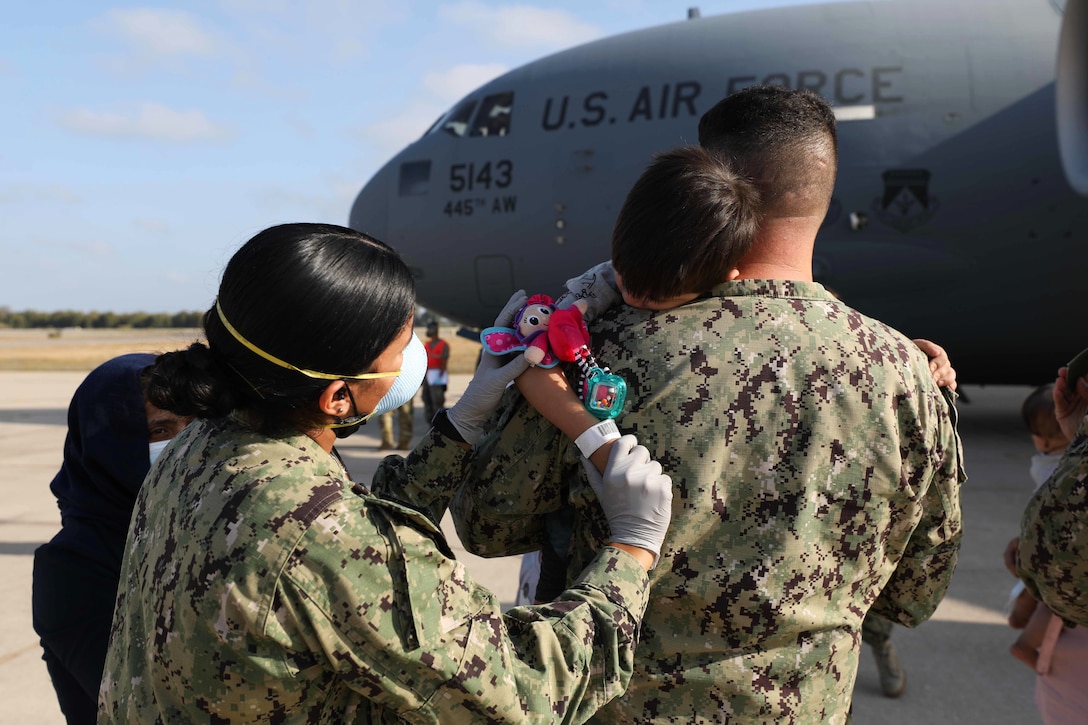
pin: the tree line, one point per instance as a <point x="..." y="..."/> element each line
<point x="26" y="319"/>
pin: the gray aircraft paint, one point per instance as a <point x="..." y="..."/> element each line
<point x="952" y="219"/>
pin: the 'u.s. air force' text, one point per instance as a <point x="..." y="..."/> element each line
<point x="844" y="87"/>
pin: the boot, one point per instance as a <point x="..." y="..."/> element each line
<point x="892" y="678"/>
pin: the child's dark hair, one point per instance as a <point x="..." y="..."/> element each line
<point x="685" y="223"/>
<point x="1038" y="412"/>
<point x="318" y="296"/>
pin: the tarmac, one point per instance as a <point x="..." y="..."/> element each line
<point x="958" y="666"/>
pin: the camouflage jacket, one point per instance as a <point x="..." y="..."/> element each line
<point x="1053" y="558"/>
<point x="260" y="585"/>
<point x="815" y="465"/>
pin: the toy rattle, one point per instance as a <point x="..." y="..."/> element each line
<point x="548" y="335"/>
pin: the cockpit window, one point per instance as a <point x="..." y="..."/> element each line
<point x="493" y="118"/>
<point x="456" y="123"/>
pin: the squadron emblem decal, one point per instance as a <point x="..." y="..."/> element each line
<point x="907" y="203"/>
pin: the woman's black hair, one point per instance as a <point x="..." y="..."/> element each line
<point x="318" y="296"/>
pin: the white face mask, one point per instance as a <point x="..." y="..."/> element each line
<point x="1042" y="466"/>
<point x="412" y="369"/>
<point x="154" y="449"/>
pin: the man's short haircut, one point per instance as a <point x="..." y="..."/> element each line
<point x="685" y="223"/>
<point x="783" y="140"/>
<point x="1038" y="412"/>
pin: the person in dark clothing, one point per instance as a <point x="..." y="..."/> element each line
<point x="112" y="437"/>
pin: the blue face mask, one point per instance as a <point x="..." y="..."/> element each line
<point x="413" y="368"/>
<point x="154" y="449"/>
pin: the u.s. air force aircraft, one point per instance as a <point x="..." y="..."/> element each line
<point x="958" y="214"/>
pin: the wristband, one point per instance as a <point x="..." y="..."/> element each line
<point x="596" y="436"/>
<point x="442" y="423"/>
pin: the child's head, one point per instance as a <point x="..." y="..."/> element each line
<point x="683" y="227"/>
<point x="1039" y="417"/>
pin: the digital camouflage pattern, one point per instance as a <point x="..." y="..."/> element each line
<point x="1053" y="558"/>
<point x="815" y="465"/>
<point x="261" y="585"/>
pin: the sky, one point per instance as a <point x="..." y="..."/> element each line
<point x="143" y="144"/>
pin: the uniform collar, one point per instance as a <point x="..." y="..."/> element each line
<point x="794" y="289"/>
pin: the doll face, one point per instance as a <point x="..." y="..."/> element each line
<point x="535" y="317"/>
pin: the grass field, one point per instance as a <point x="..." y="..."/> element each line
<point x="77" y="349"/>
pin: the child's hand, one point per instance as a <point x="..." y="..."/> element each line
<point x="939" y="364"/>
<point x="596" y="287"/>
<point x="1011" y="551"/>
<point x="1070" y="402"/>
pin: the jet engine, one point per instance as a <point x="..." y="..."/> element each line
<point x="1072" y="94"/>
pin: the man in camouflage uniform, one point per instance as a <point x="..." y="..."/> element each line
<point x="815" y="462"/>
<point x="311" y="601"/>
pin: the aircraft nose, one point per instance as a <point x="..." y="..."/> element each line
<point x="370" y="212"/>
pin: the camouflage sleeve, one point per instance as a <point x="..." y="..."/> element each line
<point x="516" y="475"/>
<point x="401" y="622"/>
<point x="925" y="569"/>
<point x="1053" y="558"/>
<point x="426" y="478"/>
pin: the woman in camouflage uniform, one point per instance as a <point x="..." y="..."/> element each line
<point x="262" y="584"/>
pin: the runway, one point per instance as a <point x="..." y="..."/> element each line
<point x="958" y="666"/>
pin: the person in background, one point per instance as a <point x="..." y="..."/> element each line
<point x="1051" y="554"/>
<point x="113" y="437"/>
<point x="1050" y="444"/>
<point x="405" y="423"/>
<point x="438" y="376"/>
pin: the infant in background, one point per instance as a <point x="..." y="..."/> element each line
<point x="1025" y="612"/>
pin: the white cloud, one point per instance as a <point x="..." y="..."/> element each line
<point x="327" y="199"/>
<point x="391" y="134"/>
<point x="520" y="26"/>
<point x="160" y="32"/>
<point x="453" y="84"/>
<point x="176" y="277"/>
<point x="147" y="121"/>
<point x="340" y="30"/>
<point x="83" y="248"/>
<point x="53" y="193"/>
<point x="157" y="227"/>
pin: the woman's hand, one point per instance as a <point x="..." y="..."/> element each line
<point x="485" y="390"/>
<point x="636" y="497"/>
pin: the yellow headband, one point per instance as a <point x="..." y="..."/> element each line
<point x="284" y="364"/>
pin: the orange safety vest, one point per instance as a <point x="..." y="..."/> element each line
<point x="437" y="352"/>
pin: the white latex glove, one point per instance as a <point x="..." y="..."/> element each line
<point x="635" y="495"/>
<point x="596" y="286"/>
<point x="485" y="390"/>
